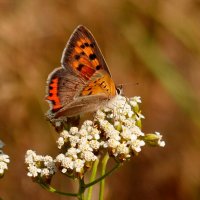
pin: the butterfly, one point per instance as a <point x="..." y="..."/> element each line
<point x="83" y="83"/>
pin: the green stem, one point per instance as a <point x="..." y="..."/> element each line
<point x="81" y="189"/>
<point x="53" y="190"/>
<point x="82" y="185"/>
<point x="93" y="176"/>
<point x="102" y="177"/>
<point x="103" y="171"/>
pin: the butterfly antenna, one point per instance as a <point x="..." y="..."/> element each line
<point x="124" y="84"/>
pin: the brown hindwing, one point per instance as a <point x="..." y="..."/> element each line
<point x="62" y="85"/>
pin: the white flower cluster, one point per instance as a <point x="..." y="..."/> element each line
<point x="4" y="160"/>
<point x="79" y="148"/>
<point x="116" y="128"/>
<point x="119" y="122"/>
<point x="39" y="166"/>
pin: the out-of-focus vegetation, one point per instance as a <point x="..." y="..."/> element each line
<point x="151" y="42"/>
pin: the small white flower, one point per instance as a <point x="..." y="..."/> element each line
<point x="33" y="171"/>
<point x="45" y="172"/>
<point x="78" y="165"/>
<point x="67" y="163"/>
<point x="88" y="123"/>
<point x="60" y="158"/>
<point x="49" y="164"/>
<point x="112" y="143"/>
<point x="136" y="145"/>
<point x="135" y="100"/>
<point x="84" y="147"/>
<point x="160" y="143"/>
<point x="65" y="134"/>
<point x="88" y="156"/>
<point x="83" y="132"/>
<point x="29" y="157"/>
<point x="130" y="113"/>
<point x="123" y="149"/>
<point x="47" y="159"/>
<point x="94" y="144"/>
<point x="83" y="140"/>
<point x="129" y="123"/>
<point x="4" y="158"/>
<point x="72" y="152"/>
<point x="127" y="134"/>
<point x="114" y="135"/>
<point x="64" y="170"/>
<point x="100" y="114"/>
<point x="3" y="167"/>
<point x="30" y="153"/>
<point x="137" y="131"/>
<point x="38" y="158"/>
<point x="106" y="109"/>
<point x="63" y="160"/>
<point x="89" y="129"/>
<point x="108" y="128"/>
<point x="74" y="140"/>
<point x="121" y="117"/>
<point x="95" y="134"/>
<point x="73" y="130"/>
<point x="116" y="123"/>
<point x="60" y="142"/>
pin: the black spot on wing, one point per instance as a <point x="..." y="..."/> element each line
<point x="88" y="89"/>
<point x="82" y="46"/>
<point x="77" y="57"/>
<point x="92" y="56"/>
<point x="98" y="67"/>
<point x="102" y="82"/>
<point x="92" y="45"/>
<point x="80" y="66"/>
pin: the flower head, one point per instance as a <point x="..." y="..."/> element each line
<point x="79" y="147"/>
<point x="4" y="160"/>
<point x="119" y="123"/>
<point x="39" y="166"/>
<point x="116" y="128"/>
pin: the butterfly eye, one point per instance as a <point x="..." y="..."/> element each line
<point x="119" y="89"/>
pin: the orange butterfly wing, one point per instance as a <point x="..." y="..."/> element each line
<point x="84" y="81"/>
<point x="83" y="54"/>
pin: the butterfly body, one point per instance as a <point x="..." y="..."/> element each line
<point x="83" y="82"/>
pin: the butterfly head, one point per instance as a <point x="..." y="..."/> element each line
<point x="119" y="89"/>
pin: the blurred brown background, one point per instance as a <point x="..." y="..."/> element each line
<point x="151" y="42"/>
